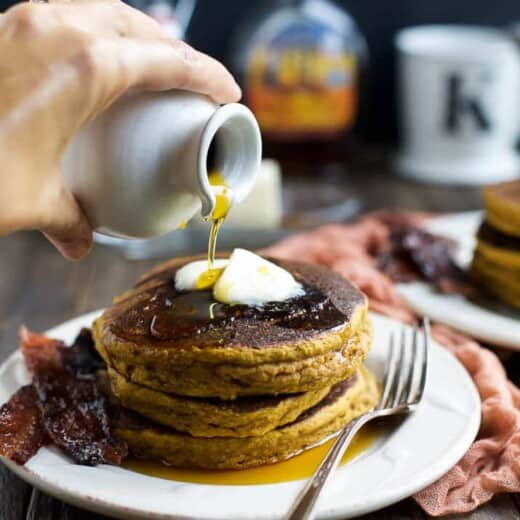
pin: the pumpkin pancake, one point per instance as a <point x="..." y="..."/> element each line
<point x="502" y="202"/>
<point x="345" y="401"/>
<point x="188" y="344"/>
<point x="505" y="275"/>
<point x="496" y="279"/>
<point x="206" y="417"/>
<point x="499" y="291"/>
<point x="496" y="262"/>
<point x="498" y="247"/>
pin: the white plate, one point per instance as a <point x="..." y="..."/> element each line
<point x="497" y="325"/>
<point x="398" y="464"/>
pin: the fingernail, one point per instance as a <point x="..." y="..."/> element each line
<point x="74" y="250"/>
<point x="239" y="91"/>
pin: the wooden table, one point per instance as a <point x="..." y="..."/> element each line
<point x="40" y="289"/>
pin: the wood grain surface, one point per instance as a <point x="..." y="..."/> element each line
<point x="40" y="289"/>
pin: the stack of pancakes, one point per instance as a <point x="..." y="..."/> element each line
<point x="496" y="264"/>
<point x="210" y="385"/>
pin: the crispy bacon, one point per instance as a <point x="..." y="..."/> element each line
<point x="75" y="418"/>
<point x="22" y="432"/>
<point x="66" y="405"/>
<point x="82" y="358"/>
<point x="413" y="253"/>
<point x="40" y="351"/>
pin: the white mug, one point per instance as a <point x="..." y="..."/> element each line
<point x="459" y="104"/>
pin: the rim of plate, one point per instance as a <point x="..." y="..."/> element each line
<point x="388" y="452"/>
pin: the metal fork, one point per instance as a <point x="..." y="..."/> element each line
<point x="403" y="387"/>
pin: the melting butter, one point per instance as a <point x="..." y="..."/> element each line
<point x="191" y="275"/>
<point x="245" y="278"/>
<point x="208" y="278"/>
<point x="252" y="280"/>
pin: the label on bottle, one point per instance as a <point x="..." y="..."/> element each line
<point x="302" y="83"/>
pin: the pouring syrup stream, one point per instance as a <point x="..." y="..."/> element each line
<point x="223" y="201"/>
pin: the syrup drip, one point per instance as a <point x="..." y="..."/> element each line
<point x="299" y="467"/>
<point x="223" y="201"/>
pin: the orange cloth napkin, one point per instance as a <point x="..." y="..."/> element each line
<point x="492" y="464"/>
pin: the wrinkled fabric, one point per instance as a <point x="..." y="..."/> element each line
<point x="492" y="463"/>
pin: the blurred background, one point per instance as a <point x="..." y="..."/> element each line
<point x="214" y="23"/>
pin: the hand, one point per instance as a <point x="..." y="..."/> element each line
<point x="61" y="64"/>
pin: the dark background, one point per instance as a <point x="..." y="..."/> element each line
<point x="214" y="22"/>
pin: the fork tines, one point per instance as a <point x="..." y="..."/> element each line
<point x="405" y="374"/>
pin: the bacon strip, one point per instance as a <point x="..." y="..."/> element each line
<point x="22" y="432"/>
<point x="413" y="253"/>
<point x="64" y="402"/>
<point x="75" y="418"/>
<point x="39" y="351"/>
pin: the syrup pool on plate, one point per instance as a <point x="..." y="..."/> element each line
<point x="299" y="467"/>
<point x="223" y="201"/>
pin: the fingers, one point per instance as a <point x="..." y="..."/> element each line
<point x="129" y="45"/>
<point x="103" y="18"/>
<point x="68" y="228"/>
<point x="169" y="64"/>
<point x="71" y="250"/>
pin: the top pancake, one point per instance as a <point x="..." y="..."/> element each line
<point x="165" y="340"/>
<point x="142" y="316"/>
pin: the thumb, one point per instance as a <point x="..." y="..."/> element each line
<point x="68" y="228"/>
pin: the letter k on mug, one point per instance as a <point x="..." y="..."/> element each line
<point x="459" y="104"/>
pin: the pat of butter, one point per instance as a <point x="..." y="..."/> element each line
<point x="187" y="276"/>
<point x="250" y="279"/>
<point x="246" y="278"/>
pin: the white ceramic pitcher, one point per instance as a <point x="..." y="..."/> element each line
<point x="140" y="168"/>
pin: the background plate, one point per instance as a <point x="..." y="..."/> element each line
<point x="405" y="460"/>
<point x="493" y="323"/>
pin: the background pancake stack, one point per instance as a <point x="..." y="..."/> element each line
<point x="496" y="264"/>
<point x="208" y="385"/>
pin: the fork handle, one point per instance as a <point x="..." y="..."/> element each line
<point x="305" y="504"/>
